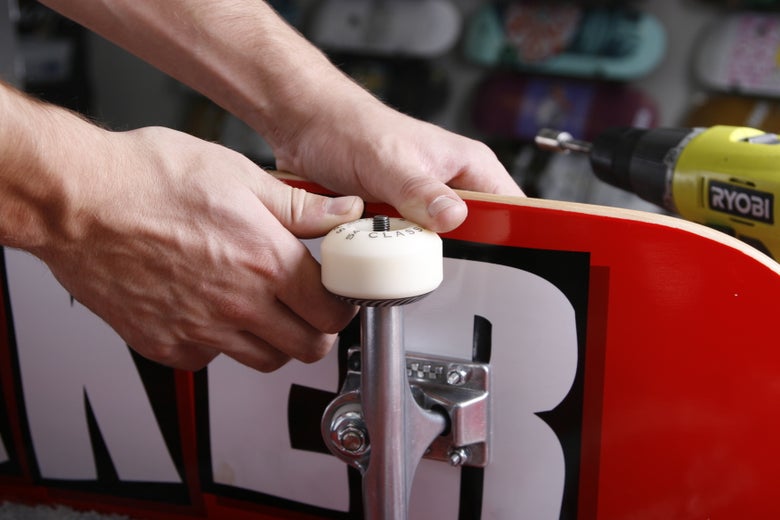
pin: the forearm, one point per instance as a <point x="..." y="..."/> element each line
<point x="37" y="145"/>
<point x="318" y="122"/>
<point x="239" y="53"/>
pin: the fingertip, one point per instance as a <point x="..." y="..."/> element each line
<point x="337" y="211"/>
<point x="445" y="213"/>
<point x="348" y="206"/>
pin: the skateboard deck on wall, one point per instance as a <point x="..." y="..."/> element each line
<point x="613" y="43"/>
<point x="411" y="28"/>
<point x="634" y="363"/>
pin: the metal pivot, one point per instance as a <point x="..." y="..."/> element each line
<point x="381" y="423"/>
<point x="394" y="411"/>
<point x="399" y="429"/>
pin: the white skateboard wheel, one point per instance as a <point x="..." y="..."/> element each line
<point x="381" y="259"/>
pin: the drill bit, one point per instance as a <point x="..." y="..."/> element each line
<point x="559" y="141"/>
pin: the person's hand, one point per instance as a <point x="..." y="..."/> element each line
<point x="319" y="123"/>
<point x="355" y="144"/>
<point x="187" y="249"/>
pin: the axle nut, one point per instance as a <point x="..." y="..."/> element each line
<point x="349" y="434"/>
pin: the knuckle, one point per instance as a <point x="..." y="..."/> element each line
<point x="338" y="320"/>
<point x="317" y="349"/>
<point x="414" y="185"/>
<point x="165" y="353"/>
<point x="173" y="355"/>
<point x="271" y="363"/>
<point x="296" y="205"/>
<point x="232" y="310"/>
<point x="175" y="351"/>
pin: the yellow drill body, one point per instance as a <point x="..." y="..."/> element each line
<point x="729" y="178"/>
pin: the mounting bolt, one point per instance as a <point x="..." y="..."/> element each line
<point x="457" y="376"/>
<point x="459" y="457"/>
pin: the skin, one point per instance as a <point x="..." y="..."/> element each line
<point x="188" y="249"/>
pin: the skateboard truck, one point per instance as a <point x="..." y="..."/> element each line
<point x="394" y="408"/>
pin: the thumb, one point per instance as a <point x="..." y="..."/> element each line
<point x="431" y="204"/>
<point x="307" y="215"/>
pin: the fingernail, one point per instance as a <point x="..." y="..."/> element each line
<point x="341" y="205"/>
<point x="442" y="203"/>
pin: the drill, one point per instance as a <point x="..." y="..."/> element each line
<point x="725" y="177"/>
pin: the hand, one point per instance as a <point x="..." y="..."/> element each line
<point x="354" y="144"/>
<point x="320" y="124"/>
<point x="187" y="249"/>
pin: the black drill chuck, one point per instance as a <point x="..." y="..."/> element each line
<point x="638" y="160"/>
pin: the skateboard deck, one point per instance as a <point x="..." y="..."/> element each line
<point x="634" y="368"/>
<point x="412" y="28"/>
<point x="618" y="43"/>
<point x="738" y="54"/>
<point x="517" y="106"/>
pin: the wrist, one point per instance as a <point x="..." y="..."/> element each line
<point x="281" y="98"/>
<point x="42" y="152"/>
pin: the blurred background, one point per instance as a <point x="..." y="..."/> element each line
<point x="494" y="70"/>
